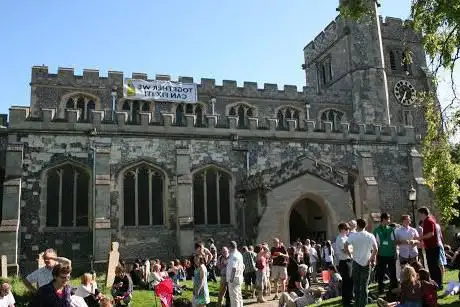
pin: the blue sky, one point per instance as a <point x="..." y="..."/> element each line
<point x="235" y="39"/>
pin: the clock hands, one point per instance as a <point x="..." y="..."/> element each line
<point x="404" y="97"/>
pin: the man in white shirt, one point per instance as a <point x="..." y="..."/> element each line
<point x="43" y="276"/>
<point x="234" y="273"/>
<point x="407" y="239"/>
<point x="364" y="253"/>
<point x="6" y="297"/>
<point x="345" y="265"/>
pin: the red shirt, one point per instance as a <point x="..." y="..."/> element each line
<point x="429" y="225"/>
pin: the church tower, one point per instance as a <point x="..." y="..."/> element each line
<point x="348" y="55"/>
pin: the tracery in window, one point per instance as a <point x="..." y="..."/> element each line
<point x="211" y="197"/>
<point x="143" y="196"/>
<point x="333" y="116"/>
<point x="82" y="103"/>
<point x="243" y="112"/>
<point x="67" y="196"/>
<point x="189" y="108"/>
<point x="287" y="113"/>
<point x="134" y="107"/>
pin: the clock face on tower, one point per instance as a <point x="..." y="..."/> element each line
<point x="405" y="92"/>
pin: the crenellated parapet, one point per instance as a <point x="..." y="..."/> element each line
<point x="324" y="40"/>
<point x="91" y="78"/>
<point x="100" y="123"/>
<point x="398" y="29"/>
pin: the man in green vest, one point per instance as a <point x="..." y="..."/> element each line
<point x="386" y="257"/>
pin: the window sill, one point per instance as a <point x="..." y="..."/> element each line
<point x="143" y="227"/>
<point x="67" y="229"/>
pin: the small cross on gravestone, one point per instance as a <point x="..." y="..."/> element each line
<point x="114" y="258"/>
<point x="4" y="269"/>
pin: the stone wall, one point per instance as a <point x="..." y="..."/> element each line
<point x="45" y="150"/>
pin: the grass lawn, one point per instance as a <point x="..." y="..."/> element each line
<point x="144" y="298"/>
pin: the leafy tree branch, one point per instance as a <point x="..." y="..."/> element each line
<point x="441" y="173"/>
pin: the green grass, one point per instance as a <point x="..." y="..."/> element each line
<point x="145" y="298"/>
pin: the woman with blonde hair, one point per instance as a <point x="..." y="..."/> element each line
<point x="411" y="290"/>
<point x="88" y="290"/>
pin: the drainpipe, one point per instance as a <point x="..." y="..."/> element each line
<point x="93" y="199"/>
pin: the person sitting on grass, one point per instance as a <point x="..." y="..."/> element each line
<point x="310" y="297"/>
<point x="429" y="289"/>
<point x="334" y="289"/>
<point x="88" y="290"/>
<point x="6" y="296"/>
<point x="122" y="287"/>
<point x="411" y="290"/>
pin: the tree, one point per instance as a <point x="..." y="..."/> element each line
<point x="437" y="20"/>
<point x="442" y="174"/>
<point x="439" y="23"/>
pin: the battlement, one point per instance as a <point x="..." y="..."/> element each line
<point x="258" y="128"/>
<point x="331" y="33"/>
<point x="92" y="78"/>
<point x="396" y="28"/>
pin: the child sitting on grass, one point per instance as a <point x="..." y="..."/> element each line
<point x="411" y="290"/>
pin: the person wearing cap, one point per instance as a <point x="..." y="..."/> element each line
<point x="235" y="269"/>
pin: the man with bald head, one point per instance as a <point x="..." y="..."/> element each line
<point x="6" y="297"/>
<point x="43" y="276"/>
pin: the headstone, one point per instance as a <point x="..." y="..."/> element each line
<point x="114" y="258"/>
<point x="41" y="261"/>
<point x="4" y="269"/>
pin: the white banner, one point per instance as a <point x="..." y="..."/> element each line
<point x="160" y="90"/>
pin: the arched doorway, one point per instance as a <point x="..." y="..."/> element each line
<point x="308" y="220"/>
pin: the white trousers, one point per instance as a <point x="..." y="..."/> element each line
<point x="236" y="298"/>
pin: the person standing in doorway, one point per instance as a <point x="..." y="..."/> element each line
<point x="279" y="267"/>
<point x="386" y="258"/>
<point x="364" y="254"/>
<point x="344" y="264"/>
<point x="431" y="244"/>
<point x="235" y="269"/>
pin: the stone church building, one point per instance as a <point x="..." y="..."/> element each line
<point x="242" y="162"/>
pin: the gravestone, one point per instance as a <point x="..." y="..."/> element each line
<point x="4" y="268"/>
<point x="114" y="258"/>
<point x="40" y="260"/>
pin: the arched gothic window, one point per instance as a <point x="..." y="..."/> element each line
<point x="333" y="116"/>
<point x="287" y="113"/>
<point x="211" y="197"/>
<point x="134" y="107"/>
<point x="243" y="112"/>
<point x="189" y="108"/>
<point x="67" y="196"/>
<point x="82" y="103"/>
<point x="143" y="196"/>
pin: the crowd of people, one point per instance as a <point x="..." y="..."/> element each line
<point x="300" y="274"/>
